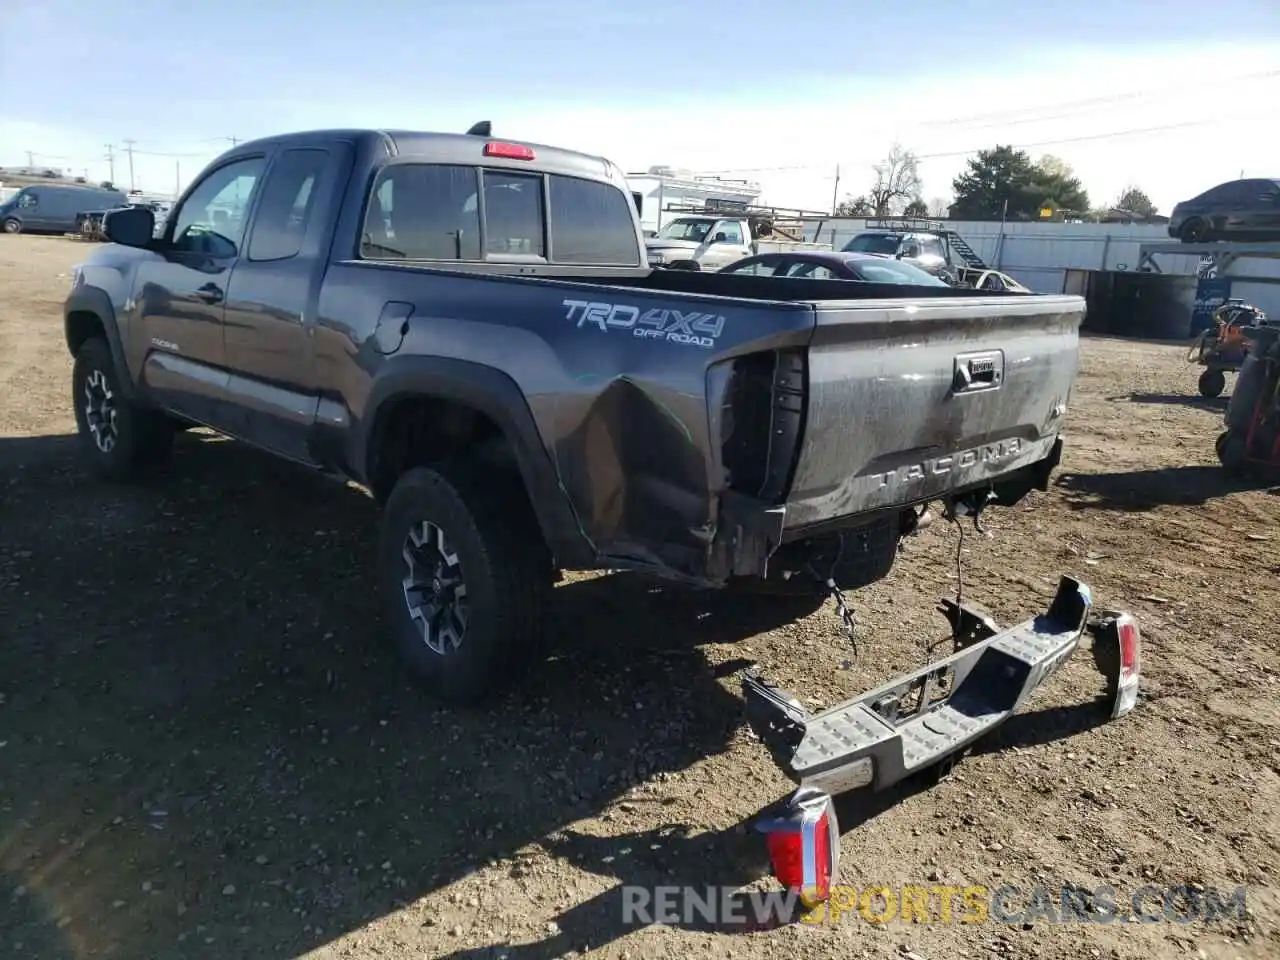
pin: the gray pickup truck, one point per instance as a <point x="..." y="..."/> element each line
<point x="468" y="327"/>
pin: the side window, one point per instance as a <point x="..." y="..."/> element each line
<point x="27" y="201"/>
<point x="423" y="211"/>
<point x="756" y="269"/>
<point x="280" y="223"/>
<point x="513" y="214"/>
<point x="211" y="220"/>
<point x="732" y="231"/>
<point x="932" y="247"/>
<point x="992" y="281"/>
<point x="591" y="222"/>
<point x="911" y="247"/>
<point x="810" y="271"/>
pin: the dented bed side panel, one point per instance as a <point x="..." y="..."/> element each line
<point x="615" y="380"/>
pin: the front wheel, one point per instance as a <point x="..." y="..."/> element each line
<point x="1212" y="383"/>
<point x="12" y="226"/>
<point x="465" y="579"/>
<point x="117" y="437"/>
<point x="1194" y="231"/>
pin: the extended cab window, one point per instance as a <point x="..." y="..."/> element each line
<point x="280" y="224"/>
<point x="211" y="220"/>
<point x="422" y="211"/>
<point x="591" y="223"/>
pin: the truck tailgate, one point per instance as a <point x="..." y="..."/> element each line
<point x="910" y="400"/>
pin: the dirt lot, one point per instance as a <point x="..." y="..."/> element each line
<point x="206" y="751"/>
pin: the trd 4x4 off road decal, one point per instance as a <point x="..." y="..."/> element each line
<point x="692" y="328"/>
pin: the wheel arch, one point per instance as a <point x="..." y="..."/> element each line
<point x="87" y="313"/>
<point x="442" y="389"/>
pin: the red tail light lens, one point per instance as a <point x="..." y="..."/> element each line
<point x="1130" y="648"/>
<point x="509" y="151"/>
<point x="804" y="845"/>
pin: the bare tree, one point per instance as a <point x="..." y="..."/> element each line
<point x="939" y="207"/>
<point x="897" y="179"/>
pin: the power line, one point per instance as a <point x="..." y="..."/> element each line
<point x="1146" y="94"/>
<point x="1113" y="134"/>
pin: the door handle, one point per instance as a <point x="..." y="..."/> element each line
<point x="209" y="293"/>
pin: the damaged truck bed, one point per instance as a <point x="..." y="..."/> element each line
<point x="469" y="327"/>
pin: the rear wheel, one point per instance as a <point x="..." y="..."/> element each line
<point x="1212" y="383"/>
<point x="465" y="578"/>
<point x="117" y="437"/>
<point x="12" y="226"/>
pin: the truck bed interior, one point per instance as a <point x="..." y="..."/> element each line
<point x="785" y="289"/>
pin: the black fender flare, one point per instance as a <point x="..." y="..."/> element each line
<point x="92" y="300"/>
<point x="495" y="394"/>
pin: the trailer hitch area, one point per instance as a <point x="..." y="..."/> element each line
<point x="922" y="718"/>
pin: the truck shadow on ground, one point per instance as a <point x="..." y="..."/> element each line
<point x="1211" y="404"/>
<point x="1141" y="490"/>
<point x="209" y="751"/>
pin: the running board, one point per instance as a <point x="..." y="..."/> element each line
<point x="920" y="718"/>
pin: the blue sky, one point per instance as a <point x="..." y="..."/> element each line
<point x="777" y="92"/>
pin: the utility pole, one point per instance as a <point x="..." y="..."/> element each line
<point x="835" y="192"/>
<point x="111" y="164"/>
<point x="31" y="160"/>
<point x="128" y="147"/>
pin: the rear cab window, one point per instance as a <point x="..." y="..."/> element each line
<point x="432" y="211"/>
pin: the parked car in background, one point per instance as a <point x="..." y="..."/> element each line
<point x="989" y="280"/>
<point x="926" y="251"/>
<point x="824" y="265"/>
<point x="1246" y="209"/>
<point x="55" y="208"/>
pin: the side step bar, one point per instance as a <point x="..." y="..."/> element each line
<point x="920" y="718"/>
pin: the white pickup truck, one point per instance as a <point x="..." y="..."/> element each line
<point x="709" y="242"/>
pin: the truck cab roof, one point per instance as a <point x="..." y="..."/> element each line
<point x="442" y="148"/>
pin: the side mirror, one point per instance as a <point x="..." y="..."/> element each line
<point x="129" y="226"/>
<point x="720" y="237"/>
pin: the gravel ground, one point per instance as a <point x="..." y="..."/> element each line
<point x="207" y="751"/>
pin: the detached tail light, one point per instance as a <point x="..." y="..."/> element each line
<point x="804" y="845"/>
<point x="1130" y="666"/>
<point x="1117" y="653"/>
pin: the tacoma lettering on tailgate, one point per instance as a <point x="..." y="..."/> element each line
<point x="991" y="453"/>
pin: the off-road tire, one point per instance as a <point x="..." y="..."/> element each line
<point x="1212" y="383"/>
<point x="505" y="566"/>
<point x="142" y="437"/>
<point x="1233" y="453"/>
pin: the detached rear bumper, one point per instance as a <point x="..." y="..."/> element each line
<point x="920" y="718"/>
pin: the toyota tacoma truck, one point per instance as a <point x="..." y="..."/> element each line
<point x="469" y="328"/>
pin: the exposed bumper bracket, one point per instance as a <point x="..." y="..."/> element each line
<point x="920" y="718"/>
